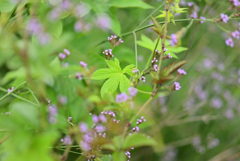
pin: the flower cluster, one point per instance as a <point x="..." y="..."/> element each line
<point x="63" y="55"/>
<point x="112" y="40"/>
<point x="177" y="85"/>
<point x="173" y="40"/>
<point x="52" y="114"/>
<point x="181" y="71"/>
<point x="108" y="54"/>
<point x="66" y="140"/>
<point x="83" y="64"/>
<point x="78" y="76"/>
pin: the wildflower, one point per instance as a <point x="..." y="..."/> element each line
<point x="83" y="127"/>
<point x="194" y="15"/>
<point x="135" y="71"/>
<point x="81" y="9"/>
<point x="120" y="41"/>
<point x="123" y="97"/>
<point x="10" y="90"/>
<point x="236" y="34"/>
<point x="78" y="76"/>
<point x="66" y="140"/>
<point x="85" y="145"/>
<point x="52" y="111"/>
<point x="62" y="100"/>
<point x="100" y="128"/>
<point x="65" y="64"/>
<point x="70" y="119"/>
<point x="61" y="56"/>
<point x="155" y="67"/>
<point x="103" y="21"/>
<point x="66" y="51"/>
<point x="216" y="103"/>
<point x="78" y="26"/>
<point x="108" y="53"/>
<point x="95" y="118"/>
<point x="203" y="18"/>
<point x="143" y="79"/>
<point x="177" y="85"/>
<point x="154" y="60"/>
<point x="66" y="5"/>
<point x="190" y="4"/>
<point x="83" y="64"/>
<point x="173" y="40"/>
<point x="224" y="18"/>
<point x="169" y="55"/>
<point x="102" y="118"/>
<point x="132" y="91"/>
<point x="236" y="3"/>
<point x="229" y="42"/>
<point x="229" y="113"/>
<point x="181" y="71"/>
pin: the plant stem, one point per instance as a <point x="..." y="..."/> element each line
<point x="135" y="46"/>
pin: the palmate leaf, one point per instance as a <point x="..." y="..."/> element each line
<point x="104" y="74"/>
<point x="172" y="67"/>
<point x="124" y="83"/>
<point x="115" y="75"/>
<point x="149" y="44"/>
<point x="110" y="86"/>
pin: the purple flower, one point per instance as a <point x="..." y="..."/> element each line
<point x="70" y="119"/>
<point x="83" y="64"/>
<point x="135" y="71"/>
<point x="34" y="26"/>
<point x="103" y="21"/>
<point x="62" y="100"/>
<point x="102" y="118"/>
<point x="54" y="14"/>
<point x="82" y="9"/>
<point x="85" y="146"/>
<point x="78" y="26"/>
<point x="169" y="55"/>
<point x="52" y="111"/>
<point x="190" y="4"/>
<point x="66" y="51"/>
<point x="236" y="3"/>
<point x="61" y="56"/>
<point x="78" y="76"/>
<point x="83" y="127"/>
<point x="224" y="18"/>
<point x="177" y="85"/>
<point x="202" y="18"/>
<point x="44" y="38"/>
<point x="66" y="5"/>
<point x="143" y="79"/>
<point x="194" y="15"/>
<point x="173" y="40"/>
<point x="10" y="90"/>
<point x="229" y="42"/>
<point x="216" y="103"/>
<point x="66" y="140"/>
<point x="132" y="91"/>
<point x="155" y="67"/>
<point x="236" y="34"/>
<point x="229" y="113"/>
<point x="123" y="97"/>
<point x="181" y="71"/>
<point x="95" y="118"/>
<point x="100" y="128"/>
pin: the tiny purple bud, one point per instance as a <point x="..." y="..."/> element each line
<point x="66" y="51"/>
<point x="83" y="64"/>
<point x="143" y="79"/>
<point x="224" y="18"/>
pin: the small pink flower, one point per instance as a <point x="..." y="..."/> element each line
<point x="203" y="18"/>
<point x="229" y="42"/>
<point x="236" y="34"/>
<point x="224" y="18"/>
<point x="83" y="64"/>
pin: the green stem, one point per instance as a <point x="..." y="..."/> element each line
<point x="225" y="30"/>
<point x="135" y="46"/>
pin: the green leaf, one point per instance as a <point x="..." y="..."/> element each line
<point x="110" y="86"/>
<point x="124" y="83"/>
<point x="127" y="3"/>
<point x="128" y="69"/>
<point x="171" y="68"/>
<point x="138" y="140"/>
<point x="114" y="65"/>
<point x="119" y="156"/>
<point x="115" y="25"/>
<point x="56" y="29"/>
<point x="146" y="43"/>
<point x="104" y="74"/>
<point x="106" y="158"/>
<point x="176" y="49"/>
